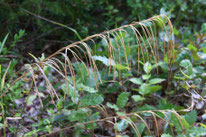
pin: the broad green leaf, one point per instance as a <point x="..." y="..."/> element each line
<point x="120" y="67"/>
<point x="183" y="55"/>
<point x="156" y="80"/>
<point x="146" y="107"/>
<point x="137" y="81"/>
<point x="145" y="77"/>
<point x="106" y="61"/>
<point x="195" y="55"/>
<point x="88" y="89"/>
<point x="174" y="120"/>
<point x="185" y="123"/>
<point x="78" y="115"/>
<point x="155" y="88"/>
<point x="59" y="104"/>
<point x="137" y="98"/>
<point x="191" y="47"/>
<point x="166" y="135"/>
<point x="147" y="67"/>
<point x="144" y="89"/>
<point x="187" y="65"/>
<point x="197" y="131"/>
<point x="61" y="116"/>
<point x="191" y="117"/>
<point x="31" y="99"/>
<point x="165" y="104"/>
<point x="71" y="92"/>
<point x="122" y="99"/>
<point x="122" y="125"/>
<point x="141" y="127"/>
<point x="85" y="75"/>
<point x="120" y="113"/>
<point x="91" y="99"/>
<point x="181" y="135"/>
<point x="112" y="106"/>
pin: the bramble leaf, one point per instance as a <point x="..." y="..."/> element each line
<point x="122" y="99"/>
<point x="137" y="81"/>
<point x="156" y="80"/>
<point x="91" y="99"/>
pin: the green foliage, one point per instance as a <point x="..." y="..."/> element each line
<point x="191" y="117"/>
<point x="122" y="99"/>
<point x="91" y="99"/>
<point x="114" y="96"/>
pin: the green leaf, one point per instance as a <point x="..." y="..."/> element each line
<point x="78" y="115"/>
<point x="3" y="79"/>
<point x="106" y="61"/>
<point x="191" y="117"/>
<point x="197" y="131"/>
<point x="137" y="81"/>
<point x="141" y="127"/>
<point x="155" y="88"/>
<point x="146" y="107"/>
<point x="88" y="89"/>
<point x="71" y="92"/>
<point x="122" y="99"/>
<point x="122" y="125"/>
<point x="185" y="123"/>
<point x="59" y="104"/>
<point x="144" y="89"/>
<point x="156" y="80"/>
<point x="120" y="67"/>
<point x="61" y="116"/>
<point x="166" y="135"/>
<point x="31" y="99"/>
<point x="112" y="106"/>
<point x="165" y="104"/>
<point x="137" y="98"/>
<point x="195" y="55"/>
<point x="187" y="65"/>
<point x="191" y="47"/>
<point x="91" y="99"/>
<point x="145" y="77"/>
<point x="147" y="67"/>
<point x="176" y="122"/>
<point x="3" y="43"/>
<point x="203" y="125"/>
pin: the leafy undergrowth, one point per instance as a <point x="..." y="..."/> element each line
<point x="130" y="81"/>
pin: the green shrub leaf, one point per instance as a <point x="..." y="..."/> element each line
<point x="112" y="106"/>
<point x="137" y="98"/>
<point x="122" y="99"/>
<point x="156" y="80"/>
<point x="147" y="67"/>
<point x="137" y="81"/>
<point x="187" y="65"/>
<point x="144" y="89"/>
<point x="106" y="61"/>
<point x="197" y="131"/>
<point x="31" y="99"/>
<point x="191" y="117"/>
<point x="120" y="67"/>
<point x="88" y="89"/>
<point x="122" y="125"/>
<point x="91" y="99"/>
<point x="166" y="135"/>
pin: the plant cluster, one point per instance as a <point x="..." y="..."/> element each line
<point x="130" y="81"/>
